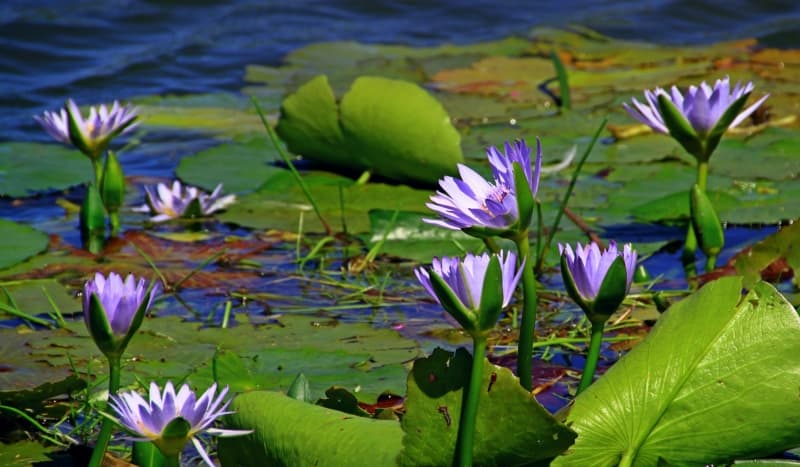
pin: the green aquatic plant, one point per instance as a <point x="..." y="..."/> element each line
<point x="113" y="310"/>
<point x="504" y="208"/>
<point x="170" y="420"/>
<point x="697" y="120"/>
<point x="597" y="281"/>
<point x="92" y="136"/>
<point x="474" y="291"/>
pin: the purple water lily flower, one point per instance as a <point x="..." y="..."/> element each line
<point x="588" y="266"/>
<point x="172" y="203"/>
<point x="474" y="202"/>
<point x="466" y="277"/>
<point x="148" y="419"/>
<point x="120" y="299"/>
<point x="90" y="135"/>
<point x="701" y="106"/>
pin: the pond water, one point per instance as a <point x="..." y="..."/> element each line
<point x="97" y="51"/>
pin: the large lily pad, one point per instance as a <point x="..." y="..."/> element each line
<point x="20" y="242"/>
<point x="280" y="202"/>
<point x="714" y="381"/>
<point x="29" y="168"/>
<point x="511" y="428"/>
<point x="167" y="348"/>
<point x="240" y="167"/>
<point x="406" y="236"/>
<point x="288" y="432"/>
<point x="391" y="127"/>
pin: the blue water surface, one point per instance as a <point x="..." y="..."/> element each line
<point x="100" y="50"/>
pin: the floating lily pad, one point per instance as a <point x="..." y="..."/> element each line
<point x="240" y="167"/>
<point x="20" y="242"/>
<point x="279" y="203"/>
<point x="219" y="114"/>
<point x="509" y="422"/>
<point x="409" y="237"/>
<point x="25" y="453"/>
<point x="30" y="168"/>
<point x="393" y="128"/>
<point x="288" y="432"/>
<point x="357" y="355"/>
<point x="31" y="297"/>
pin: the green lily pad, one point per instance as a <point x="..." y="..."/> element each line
<point x="219" y="114"/>
<point x="393" y="128"/>
<point x="288" y="432"/>
<point x="25" y="453"/>
<point x="409" y="237"/>
<point x="511" y="427"/>
<point x="715" y="380"/>
<point x="31" y="296"/>
<point x="20" y="242"/>
<point x="30" y="168"/>
<point x="280" y="202"/>
<point x="240" y="167"/>
<point x="782" y="244"/>
<point x="355" y="355"/>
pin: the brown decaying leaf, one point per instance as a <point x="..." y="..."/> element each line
<point x="175" y="260"/>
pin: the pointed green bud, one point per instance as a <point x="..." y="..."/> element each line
<point x="491" y="296"/>
<point x="680" y="128"/>
<point x="112" y="186"/>
<point x="300" y="389"/>
<point x="705" y="222"/>
<point x="93" y="220"/>
<point x="452" y="304"/>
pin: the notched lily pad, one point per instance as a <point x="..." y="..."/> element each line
<point x="20" y="242"/>
<point x="30" y="168"/>
<point x="393" y="128"/>
<point x="511" y="428"/>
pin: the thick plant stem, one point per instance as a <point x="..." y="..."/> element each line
<point x="98" y="171"/>
<point x="108" y="425"/>
<point x="115" y="222"/>
<point x="469" y="411"/>
<point x="172" y="461"/>
<point x="591" y="359"/>
<point x="528" y="326"/>
<point x="627" y="459"/>
<point x="690" y="245"/>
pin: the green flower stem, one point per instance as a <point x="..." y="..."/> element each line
<point x="98" y="170"/>
<point x="594" y="355"/>
<point x="627" y="459"/>
<point x="528" y="326"/>
<point x="711" y="263"/>
<point x="469" y="411"/>
<point x="690" y="245"/>
<point x="491" y="245"/>
<point x="115" y="222"/>
<point x="172" y="461"/>
<point x="114" y="370"/>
